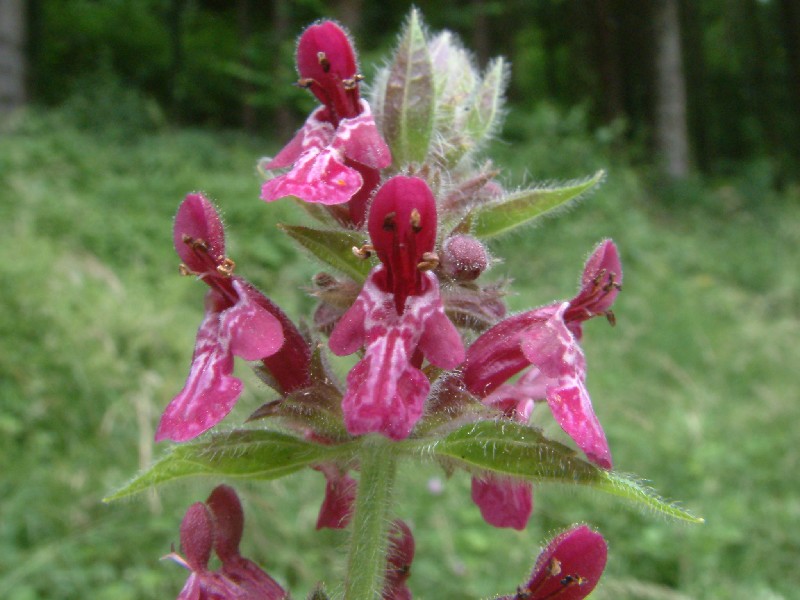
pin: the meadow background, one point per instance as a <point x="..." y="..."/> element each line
<point x="696" y="385"/>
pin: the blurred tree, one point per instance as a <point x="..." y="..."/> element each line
<point x="12" y="59"/>
<point x="671" y="133"/>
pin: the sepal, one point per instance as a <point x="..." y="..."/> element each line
<point x="408" y="108"/>
<point x="519" y="208"/>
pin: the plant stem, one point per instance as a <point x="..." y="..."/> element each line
<point x="366" y="563"/>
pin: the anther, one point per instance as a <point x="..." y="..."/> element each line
<point x="388" y="221"/>
<point x="304" y="82"/>
<point x="364" y="252"/>
<point x="184" y="270"/>
<point x="195" y="243"/>
<point x="573" y="580"/>
<point x="430" y="260"/>
<point x="323" y="61"/>
<point x="226" y="268"/>
<point x="554" y="568"/>
<point x="611" y="318"/>
<point x="416" y="221"/>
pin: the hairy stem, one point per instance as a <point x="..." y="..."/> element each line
<point x="366" y="563"/>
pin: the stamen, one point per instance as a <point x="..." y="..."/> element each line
<point x="430" y="260"/>
<point x="416" y="221"/>
<point x="573" y="580"/>
<point x="227" y="267"/>
<point x="388" y="221"/>
<point x="195" y="243"/>
<point x="364" y="252"/>
<point x="323" y="61"/>
<point x="184" y="270"/>
<point x="304" y="82"/>
<point x="554" y="568"/>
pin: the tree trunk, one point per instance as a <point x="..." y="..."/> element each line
<point x="12" y="58"/>
<point x="672" y="137"/>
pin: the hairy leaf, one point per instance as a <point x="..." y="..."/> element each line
<point x="517" y="450"/>
<point x="408" y="109"/>
<point x="496" y="218"/>
<point x="247" y="454"/>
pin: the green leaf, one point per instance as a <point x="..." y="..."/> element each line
<point x="409" y="99"/>
<point x="496" y="218"/>
<point x="249" y="454"/>
<point x="520" y="451"/>
<point x="486" y="108"/>
<point x="332" y="247"/>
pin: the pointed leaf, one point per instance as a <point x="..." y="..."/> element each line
<point x="248" y="454"/>
<point x="332" y="247"/>
<point x="484" y="113"/>
<point x="520" y="451"/>
<point x="519" y="208"/>
<point x="409" y="100"/>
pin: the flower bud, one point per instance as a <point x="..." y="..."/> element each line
<point x="463" y="258"/>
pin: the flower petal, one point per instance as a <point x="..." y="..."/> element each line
<point x="385" y="394"/>
<point x="398" y="562"/>
<point x="570" y="567"/>
<point x="197" y="537"/>
<point x="317" y="176"/>
<point x="340" y="497"/>
<point x="386" y="391"/>
<point x="197" y="220"/>
<point x="503" y="502"/>
<point x="253" y="331"/>
<point x="359" y="139"/>
<point x="561" y="370"/>
<point x="440" y="341"/>
<point x="210" y="391"/>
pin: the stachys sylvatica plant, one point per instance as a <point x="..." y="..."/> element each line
<point x="402" y="208"/>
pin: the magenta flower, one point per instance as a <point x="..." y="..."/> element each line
<point x="568" y="568"/>
<point x="398" y="316"/>
<point x="340" y="496"/>
<point x="336" y="155"/>
<point x="219" y="524"/>
<point x="503" y="502"/>
<point x="544" y="344"/>
<point x="239" y="321"/>
<point x="399" y="558"/>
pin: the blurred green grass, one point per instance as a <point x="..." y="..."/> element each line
<point x="696" y="386"/>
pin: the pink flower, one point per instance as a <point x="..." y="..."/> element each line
<point x="398" y="316"/>
<point x="340" y="496"/>
<point x="503" y="502"/>
<point x="219" y="523"/>
<point x="543" y="344"/>
<point x="336" y="155"/>
<point x="399" y="558"/>
<point x="568" y="568"/>
<point x="239" y="321"/>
